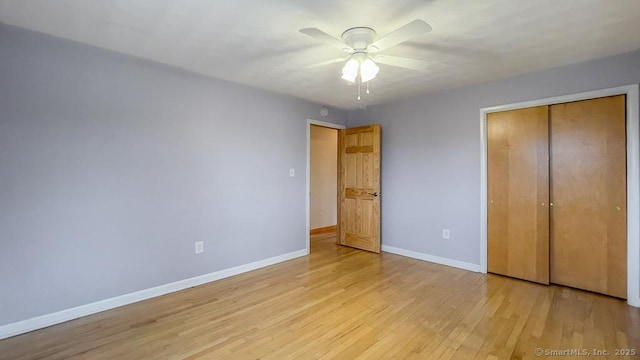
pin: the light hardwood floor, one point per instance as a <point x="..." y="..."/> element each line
<point x="341" y="303"/>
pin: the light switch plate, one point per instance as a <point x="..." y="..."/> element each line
<point x="446" y="234"/>
<point x="199" y="247"/>
<point x="292" y="172"/>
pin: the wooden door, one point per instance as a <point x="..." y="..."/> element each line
<point x="588" y="191"/>
<point x="518" y="193"/>
<point x="359" y="188"/>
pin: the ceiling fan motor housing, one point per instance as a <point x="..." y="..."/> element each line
<point x="359" y="38"/>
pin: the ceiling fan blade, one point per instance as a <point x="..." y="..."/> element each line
<point x="413" y="64"/>
<point x="326" y="38"/>
<point x="326" y="62"/>
<point x="411" y="30"/>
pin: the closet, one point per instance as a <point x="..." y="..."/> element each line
<point x="556" y="178"/>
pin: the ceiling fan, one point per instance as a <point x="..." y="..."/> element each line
<point x="363" y="50"/>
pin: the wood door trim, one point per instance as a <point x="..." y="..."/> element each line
<point x="633" y="175"/>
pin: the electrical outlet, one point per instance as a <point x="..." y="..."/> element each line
<point x="199" y="247"/>
<point x="446" y="234"/>
<point x="292" y="172"/>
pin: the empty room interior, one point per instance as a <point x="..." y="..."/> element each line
<point x="319" y="179"/>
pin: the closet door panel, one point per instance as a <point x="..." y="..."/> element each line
<point x="518" y="193"/>
<point x="588" y="191"/>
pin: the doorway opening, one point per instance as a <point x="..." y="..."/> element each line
<point x="322" y="180"/>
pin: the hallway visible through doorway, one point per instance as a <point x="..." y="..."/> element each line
<point x="323" y="179"/>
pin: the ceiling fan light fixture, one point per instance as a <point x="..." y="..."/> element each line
<point x="359" y="42"/>
<point x="368" y="70"/>
<point x="350" y="70"/>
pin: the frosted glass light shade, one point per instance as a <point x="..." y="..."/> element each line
<point x="350" y="70"/>
<point x="368" y="70"/>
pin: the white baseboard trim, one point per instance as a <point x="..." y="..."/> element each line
<point x="432" y="258"/>
<point x="43" y="321"/>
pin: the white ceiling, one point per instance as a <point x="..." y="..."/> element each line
<point x="257" y="42"/>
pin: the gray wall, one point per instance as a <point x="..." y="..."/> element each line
<point x="111" y="167"/>
<point x="431" y="152"/>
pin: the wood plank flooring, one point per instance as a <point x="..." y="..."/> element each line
<point x="341" y="303"/>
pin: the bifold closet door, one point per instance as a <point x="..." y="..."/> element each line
<point x="588" y="191"/>
<point x="518" y="193"/>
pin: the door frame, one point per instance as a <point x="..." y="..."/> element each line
<point x="633" y="175"/>
<point x="308" y="174"/>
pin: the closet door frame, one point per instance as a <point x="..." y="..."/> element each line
<point x="633" y="175"/>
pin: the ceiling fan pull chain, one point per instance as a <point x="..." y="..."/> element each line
<point x="359" y="90"/>
<point x="368" y="88"/>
